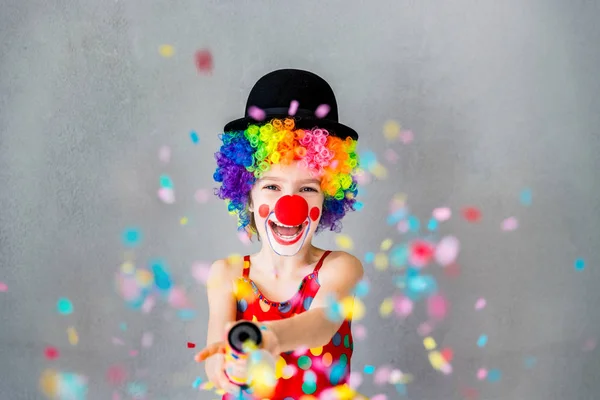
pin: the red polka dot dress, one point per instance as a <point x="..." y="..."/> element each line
<point x="306" y="372"/>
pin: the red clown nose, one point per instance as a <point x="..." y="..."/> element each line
<point x="291" y="210"/>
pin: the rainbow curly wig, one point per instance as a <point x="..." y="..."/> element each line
<point x="245" y="155"/>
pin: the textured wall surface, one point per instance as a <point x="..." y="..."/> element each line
<point x="502" y="100"/>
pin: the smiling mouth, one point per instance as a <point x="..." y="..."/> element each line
<point x="287" y="233"/>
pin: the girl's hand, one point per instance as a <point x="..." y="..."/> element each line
<point x="215" y="370"/>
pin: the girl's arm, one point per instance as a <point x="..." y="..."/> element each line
<point x="312" y="328"/>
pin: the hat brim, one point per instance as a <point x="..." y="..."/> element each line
<point x="335" y="128"/>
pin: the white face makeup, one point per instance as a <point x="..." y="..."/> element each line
<point x="289" y="203"/>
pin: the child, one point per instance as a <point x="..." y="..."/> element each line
<point x="287" y="174"/>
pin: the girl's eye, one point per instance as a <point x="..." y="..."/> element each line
<point x="308" y="189"/>
<point x="271" y="187"/>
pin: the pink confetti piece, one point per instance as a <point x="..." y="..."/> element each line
<point x="391" y="156"/>
<point x="481" y="374"/>
<point x="244" y="238"/>
<point x="322" y="111"/>
<point x="166" y="195"/>
<point x="202" y="196"/>
<point x="403" y="306"/>
<point x="256" y="113"/>
<point x="147" y="339"/>
<point x="51" y="353"/>
<point x="164" y="154"/>
<point x="133" y="353"/>
<point x="201" y="272"/>
<point x="300" y="351"/>
<point x="446" y="369"/>
<point x="424" y="329"/>
<point x="403" y="226"/>
<point x="3" y="287"/>
<point x="406" y="137"/>
<point x="355" y="380"/>
<point x="363" y="178"/>
<point x="382" y="375"/>
<point x="360" y="331"/>
<point x="480" y="304"/>
<point x="148" y="305"/>
<point x="116" y="396"/>
<point x="442" y="214"/>
<point x="116" y="375"/>
<point x="510" y="224"/>
<point x="129" y="288"/>
<point x="437" y="307"/>
<point x="447" y="250"/>
<point x="117" y="342"/>
<point x="293" y="107"/>
<point x="178" y="298"/>
<point x="379" y="397"/>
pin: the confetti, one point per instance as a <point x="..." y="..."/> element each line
<point x="194" y="137"/>
<point x="191" y="345"/>
<point x="368" y="369"/>
<point x="204" y="61"/>
<point x="360" y="331"/>
<point x="293" y="107"/>
<point x="132" y="237"/>
<point x="579" y="264"/>
<point x="51" y="353"/>
<point x="448" y="354"/>
<point x="509" y="224"/>
<point x="391" y="130"/>
<point x="421" y="253"/>
<point x="406" y="137"/>
<point x="403" y="306"/>
<point x="382" y="375"/>
<point x="526" y="197"/>
<point x="164" y="154"/>
<point x="201" y="272"/>
<point x="429" y="343"/>
<point x="166" y="195"/>
<point x="3" y="287"/>
<point x="183" y="221"/>
<point x="72" y="336"/>
<point x="482" y="341"/>
<point x="391" y="156"/>
<point x="494" y="375"/>
<point x="482" y="374"/>
<point x="436" y="360"/>
<point x="256" y="113"/>
<point x="530" y="362"/>
<point x="381" y="261"/>
<point x="471" y="214"/>
<point x="442" y="214"/>
<point x="197" y="382"/>
<point x="361" y="289"/>
<point x="49" y="383"/>
<point x="166" y="50"/>
<point x="64" y="306"/>
<point x="116" y="375"/>
<point x="437" y="307"/>
<point x="386" y="307"/>
<point x="480" y="304"/>
<point x="386" y="244"/>
<point x="447" y="250"/>
<point x="344" y="242"/>
<point x="379" y="397"/>
<point x="322" y="111"/>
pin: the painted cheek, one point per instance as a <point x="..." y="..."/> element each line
<point x="263" y="211"/>
<point x="315" y="213"/>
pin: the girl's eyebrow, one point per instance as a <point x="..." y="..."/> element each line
<point x="277" y="179"/>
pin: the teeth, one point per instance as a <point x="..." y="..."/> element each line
<point x="284" y="226"/>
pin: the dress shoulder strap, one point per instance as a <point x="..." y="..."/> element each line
<point x="320" y="263"/>
<point x="246" y="269"/>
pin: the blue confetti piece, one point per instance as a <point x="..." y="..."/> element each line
<point x="161" y="278"/>
<point x="136" y="390"/>
<point x="369" y="257"/>
<point x="64" y="306"/>
<point x="194" y="137"/>
<point x="368" y="159"/>
<point x="361" y="289"/>
<point x="396" y="216"/>
<point x="432" y="225"/>
<point x="123" y="326"/>
<point x="131" y="237"/>
<point x="369" y="369"/>
<point x="482" y="341"/>
<point x="358" y="206"/>
<point x="419" y="287"/>
<point x="197" y="383"/>
<point x="399" y="256"/>
<point x="414" y="224"/>
<point x="526" y="197"/>
<point x="494" y="375"/>
<point x="579" y="264"/>
<point x="186" y="315"/>
<point x="166" y="182"/>
<point x="530" y="362"/>
<point x="401" y="388"/>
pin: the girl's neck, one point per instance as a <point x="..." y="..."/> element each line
<point x="285" y="265"/>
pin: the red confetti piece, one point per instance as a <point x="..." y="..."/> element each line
<point x="191" y="345"/>
<point x="51" y="353"/>
<point x="470" y="393"/>
<point x="421" y="253"/>
<point x="471" y="214"/>
<point x="448" y="354"/>
<point x="204" y="61"/>
<point x="116" y="375"/>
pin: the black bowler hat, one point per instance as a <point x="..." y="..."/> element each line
<point x="274" y="93"/>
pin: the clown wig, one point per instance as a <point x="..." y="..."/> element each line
<point x="245" y="155"/>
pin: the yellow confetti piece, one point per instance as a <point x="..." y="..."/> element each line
<point x="344" y="241"/>
<point x="386" y="307"/>
<point x="429" y="343"/>
<point x="436" y="359"/>
<point x="166" y="50"/>
<point x="317" y="351"/>
<point x="391" y="130"/>
<point x="379" y="171"/>
<point x="352" y="308"/>
<point x="381" y="261"/>
<point x="127" y="267"/>
<point x="234" y="259"/>
<point x="279" y="367"/>
<point x="386" y="244"/>
<point x="72" y="335"/>
<point x="183" y="221"/>
<point x="49" y="383"/>
<point x="144" y="277"/>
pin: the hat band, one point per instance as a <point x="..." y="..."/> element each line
<point x="301" y="112"/>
